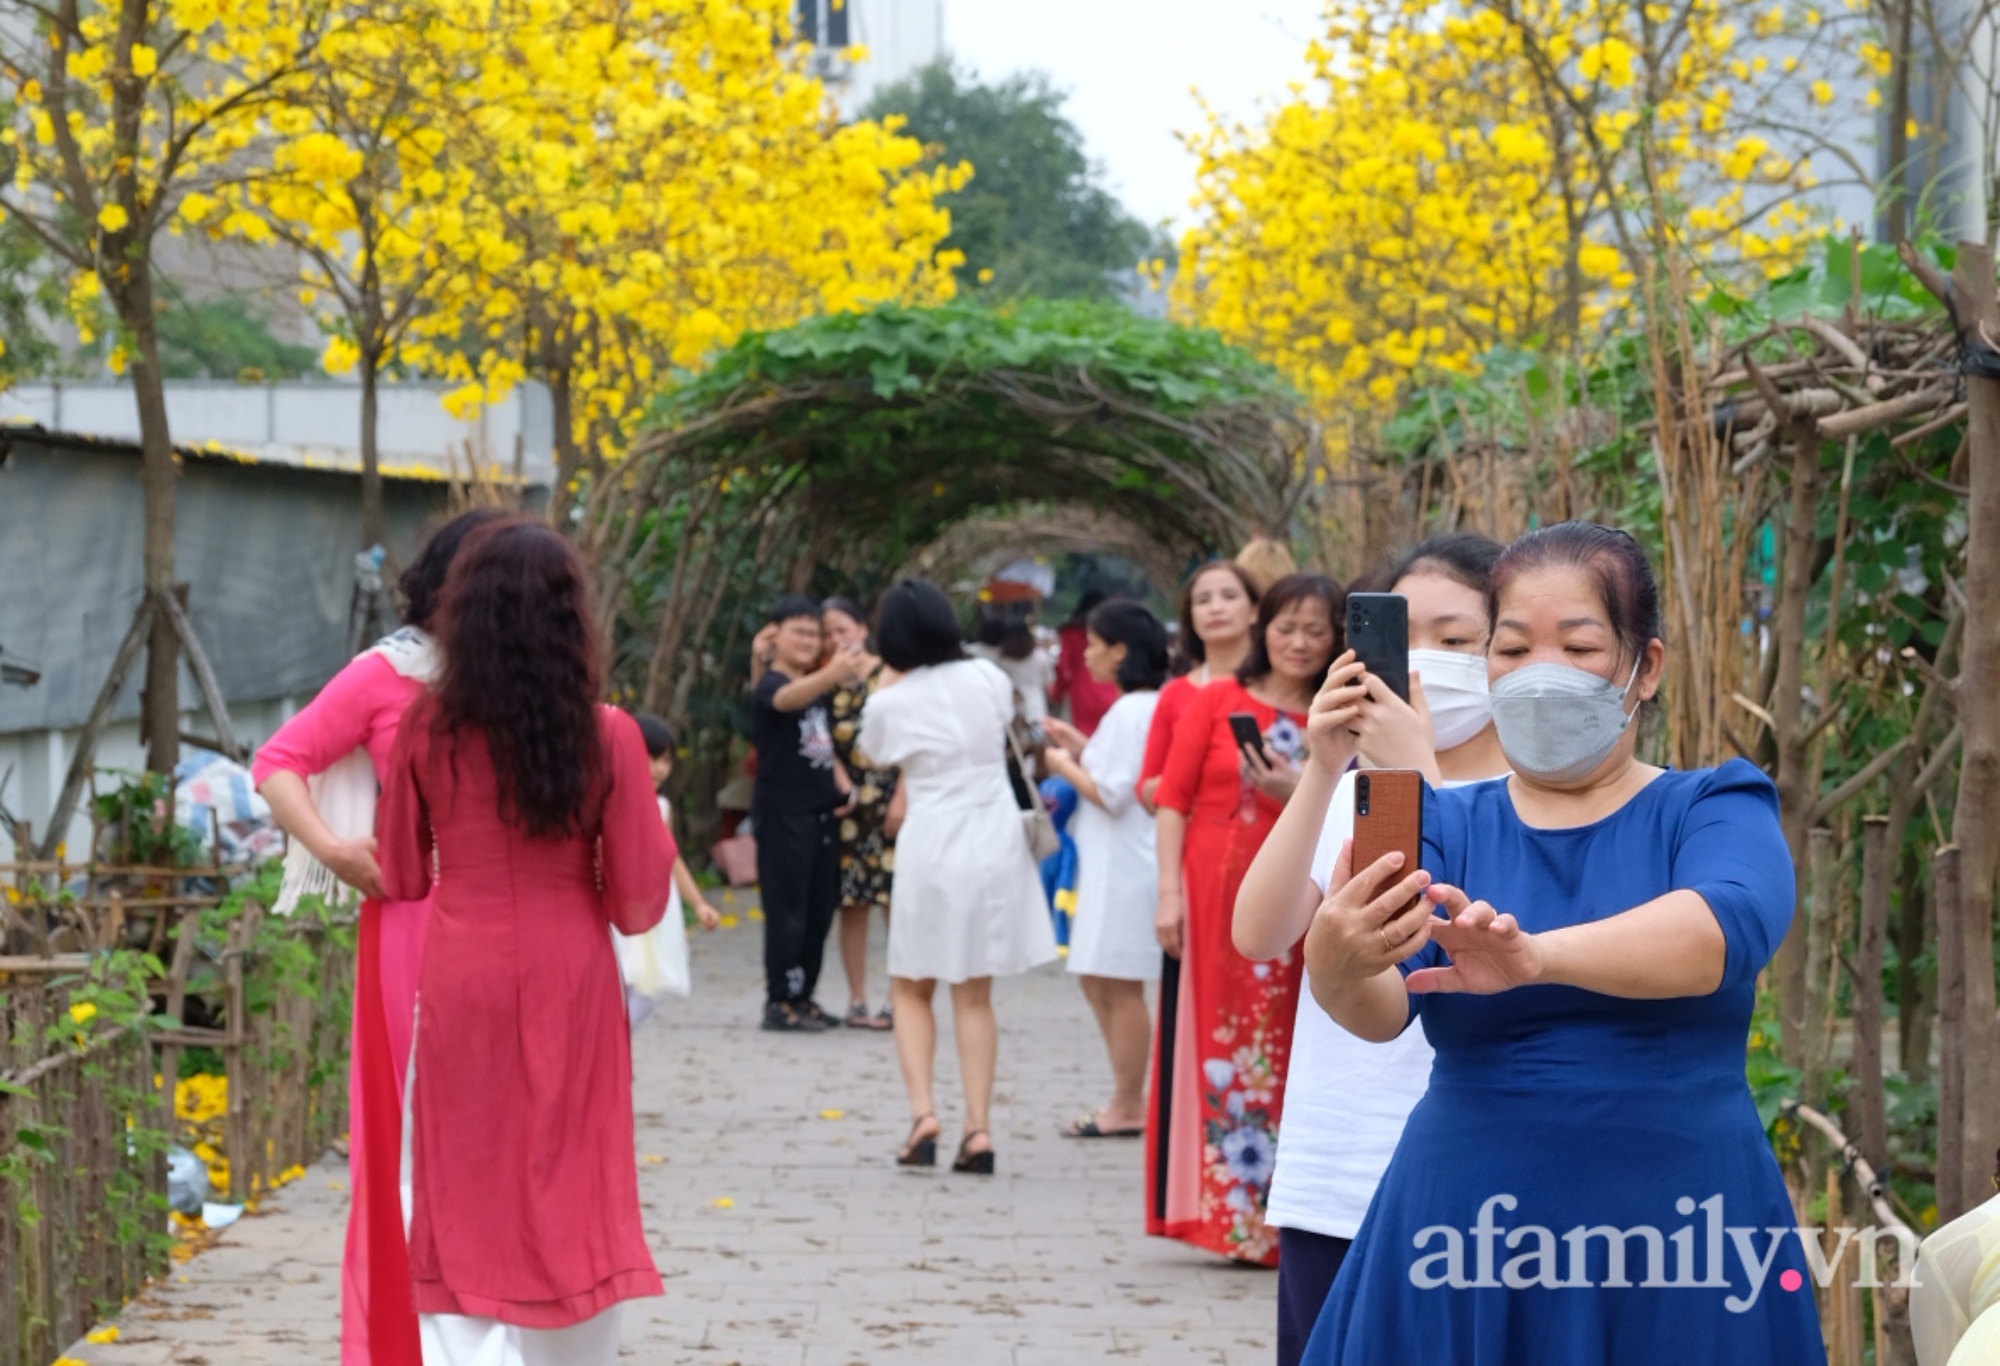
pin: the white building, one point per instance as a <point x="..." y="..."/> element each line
<point x="899" y="37"/>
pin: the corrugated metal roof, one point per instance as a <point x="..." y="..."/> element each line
<point x="212" y="453"/>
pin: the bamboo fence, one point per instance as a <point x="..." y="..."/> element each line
<point x="85" y="1119"/>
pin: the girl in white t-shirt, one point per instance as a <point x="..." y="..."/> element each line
<point x="1114" y="948"/>
<point x="1346" y="1100"/>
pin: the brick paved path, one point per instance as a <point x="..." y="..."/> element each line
<point x="785" y="1234"/>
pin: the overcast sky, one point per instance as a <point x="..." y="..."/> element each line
<point x="1130" y="67"/>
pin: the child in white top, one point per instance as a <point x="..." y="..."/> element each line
<point x="656" y="963"/>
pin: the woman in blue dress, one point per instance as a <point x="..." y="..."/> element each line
<point x="1586" y="1180"/>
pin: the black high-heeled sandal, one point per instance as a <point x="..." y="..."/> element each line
<point x="918" y="1152"/>
<point x="977" y="1164"/>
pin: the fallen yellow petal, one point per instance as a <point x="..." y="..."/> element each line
<point x="723" y="1202"/>
<point x="831" y="1114"/>
<point x="108" y="1333"/>
<point x="652" y="1159"/>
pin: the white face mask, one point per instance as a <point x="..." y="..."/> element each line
<point x="1455" y="687"/>
<point x="1557" y="722"/>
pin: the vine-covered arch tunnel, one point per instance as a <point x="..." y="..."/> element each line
<point x="842" y="450"/>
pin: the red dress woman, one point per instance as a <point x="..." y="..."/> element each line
<point x="1218" y="610"/>
<point x="311" y="757"/>
<point x="526" y="811"/>
<point x="1218" y="1092"/>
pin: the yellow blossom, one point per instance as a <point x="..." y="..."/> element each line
<point x="1611" y="61"/>
<point x="340" y="356"/>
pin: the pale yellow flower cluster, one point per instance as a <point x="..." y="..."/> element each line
<point x="593" y="192"/>
<point x="1486" y="173"/>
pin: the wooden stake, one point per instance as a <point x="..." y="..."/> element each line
<point x="81" y="763"/>
<point x="204" y="675"/>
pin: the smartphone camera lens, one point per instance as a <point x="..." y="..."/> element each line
<point x="1360" y="796"/>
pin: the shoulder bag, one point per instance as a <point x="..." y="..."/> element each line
<point x="1036" y="822"/>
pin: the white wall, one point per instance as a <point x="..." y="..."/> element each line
<point x="34" y="763"/>
<point x="900" y="35"/>
<point x="1975" y="113"/>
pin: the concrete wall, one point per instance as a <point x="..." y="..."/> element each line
<point x="267" y="553"/>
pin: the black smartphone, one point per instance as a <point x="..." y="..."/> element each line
<point x="1378" y="631"/>
<point x="1248" y="737"/>
<point x="1389" y="818"/>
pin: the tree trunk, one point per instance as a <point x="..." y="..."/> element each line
<point x="568" y="458"/>
<point x="1916" y="995"/>
<point x="1796" y="789"/>
<point x="557" y="347"/>
<point x="1876" y="856"/>
<point x="1976" y="819"/>
<point x="160" y="704"/>
<point x="1822" y="869"/>
<point x="1951" y="1034"/>
<point x="1895" y="197"/>
<point x="371" y="457"/>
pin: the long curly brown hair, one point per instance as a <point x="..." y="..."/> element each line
<point x="520" y="666"/>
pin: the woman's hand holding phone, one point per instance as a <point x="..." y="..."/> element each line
<point x="1331" y="717"/>
<point x="1392" y="733"/>
<point x="1367" y="924"/>
<point x="1064" y="734"/>
<point x="1276" y="778"/>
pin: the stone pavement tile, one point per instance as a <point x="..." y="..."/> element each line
<point x="698" y="1354"/>
<point x="825" y="1253"/>
<point x="1233" y="1343"/>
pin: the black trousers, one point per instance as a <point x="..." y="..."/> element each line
<point x="1307" y="1264"/>
<point x="798" y="876"/>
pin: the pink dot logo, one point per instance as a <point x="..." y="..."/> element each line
<point x="1791" y="1280"/>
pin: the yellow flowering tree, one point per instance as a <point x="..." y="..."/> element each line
<point x="359" y="186"/>
<point x="1415" y="211"/>
<point x="1491" y="172"/>
<point x="649" y="180"/>
<point x="112" y="113"/>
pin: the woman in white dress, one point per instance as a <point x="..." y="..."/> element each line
<point x="1113" y="946"/>
<point x="1346" y="1099"/>
<point x="967" y="905"/>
